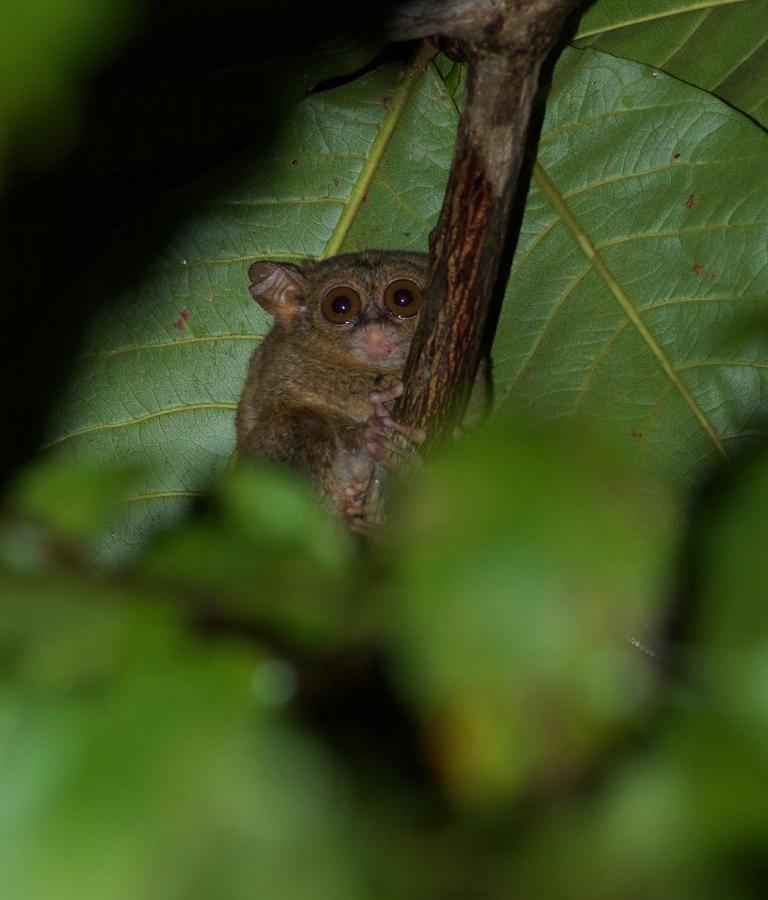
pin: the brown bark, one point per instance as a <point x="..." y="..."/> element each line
<point x="505" y="42"/>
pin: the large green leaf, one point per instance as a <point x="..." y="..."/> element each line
<point x="641" y="247"/>
<point x="718" y="45"/>
<point x="641" y="263"/>
<point x="161" y="372"/>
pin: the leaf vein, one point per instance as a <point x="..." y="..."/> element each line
<point x="638" y="20"/>
<point x="696" y="26"/>
<point x="550" y="319"/>
<point x="677" y="232"/>
<point x="161" y="495"/>
<point x="739" y="63"/>
<point x="161" y="345"/>
<point x="592" y="253"/>
<point x="596" y="362"/>
<point x="103" y="426"/>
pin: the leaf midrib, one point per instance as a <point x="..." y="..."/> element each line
<point x="638" y="20"/>
<point x="601" y="269"/>
<point x="400" y="97"/>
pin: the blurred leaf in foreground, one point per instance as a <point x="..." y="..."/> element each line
<point x="267" y="551"/>
<point x="687" y="814"/>
<point x="46" y="49"/>
<point x="521" y="561"/>
<point x="728" y="661"/>
<point x="74" y="502"/>
<point x="139" y="762"/>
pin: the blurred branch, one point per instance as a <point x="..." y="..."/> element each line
<point x="461" y="19"/>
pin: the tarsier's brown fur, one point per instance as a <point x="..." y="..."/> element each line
<point x="307" y="397"/>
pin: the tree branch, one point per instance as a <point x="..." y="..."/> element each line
<point x="506" y="43"/>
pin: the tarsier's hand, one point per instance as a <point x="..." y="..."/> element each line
<point x="379" y="428"/>
<point x="378" y="442"/>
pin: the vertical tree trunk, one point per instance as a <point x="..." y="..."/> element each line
<point x="505" y="53"/>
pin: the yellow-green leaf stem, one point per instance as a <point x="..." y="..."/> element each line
<point x="598" y="264"/>
<point x="400" y="98"/>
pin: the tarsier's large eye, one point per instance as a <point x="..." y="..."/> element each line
<point x="341" y="305"/>
<point x="402" y="297"/>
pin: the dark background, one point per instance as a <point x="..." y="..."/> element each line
<point x="186" y="92"/>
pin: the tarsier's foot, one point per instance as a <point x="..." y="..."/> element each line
<point x="356" y="512"/>
<point x="354" y="499"/>
<point x="379" y="428"/>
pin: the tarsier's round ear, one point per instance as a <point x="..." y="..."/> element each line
<point x="280" y="288"/>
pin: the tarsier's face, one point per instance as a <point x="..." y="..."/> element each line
<point x="364" y="304"/>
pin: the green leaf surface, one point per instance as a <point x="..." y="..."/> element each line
<point x="718" y="45"/>
<point x="641" y="260"/>
<point x="641" y="263"/>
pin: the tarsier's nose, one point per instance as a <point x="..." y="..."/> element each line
<point x="377" y="342"/>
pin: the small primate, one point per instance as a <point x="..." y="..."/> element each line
<point x="316" y="392"/>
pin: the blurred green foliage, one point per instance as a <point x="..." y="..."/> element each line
<point x="518" y="571"/>
<point x="264" y="550"/>
<point x="139" y="760"/>
<point x="160" y="727"/>
<point x="47" y="49"/>
<point x="256" y="705"/>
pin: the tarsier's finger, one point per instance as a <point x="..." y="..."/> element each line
<point x="379" y="410"/>
<point x="417" y="435"/>
<point x="378" y="452"/>
<point x="357" y="489"/>
<point x="379" y="398"/>
<point x="374" y="429"/>
<point x="359" y="511"/>
<point x="366" y="529"/>
<point x="392" y="447"/>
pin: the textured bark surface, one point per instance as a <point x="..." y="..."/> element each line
<point x="506" y="43"/>
<point x="467" y="244"/>
<point x="505" y="57"/>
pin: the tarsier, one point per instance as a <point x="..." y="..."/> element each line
<point x="317" y="392"/>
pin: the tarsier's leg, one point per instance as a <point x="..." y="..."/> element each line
<point x="354" y="500"/>
<point x="299" y="437"/>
